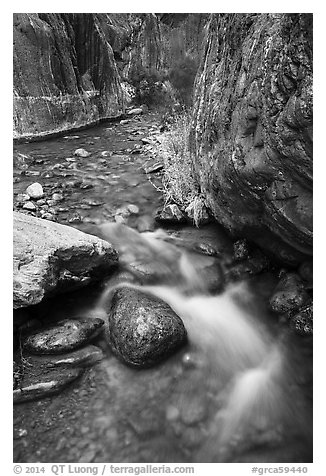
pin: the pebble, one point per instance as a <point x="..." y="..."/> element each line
<point x="76" y="218"/>
<point x="135" y="111"/>
<point x="120" y="219"/>
<point x="81" y="153"/>
<point x="86" y="185"/>
<point x="133" y="209"/>
<point x="206" y="249"/>
<point x="23" y="197"/>
<point x="153" y="167"/>
<point x="29" y="206"/>
<point x="47" y="216"/>
<point x="57" y="197"/>
<point x="35" y="190"/>
<point x="63" y="336"/>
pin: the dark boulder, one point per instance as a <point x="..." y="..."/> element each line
<point x="289" y="295"/>
<point x="143" y="330"/>
<point x="302" y="322"/>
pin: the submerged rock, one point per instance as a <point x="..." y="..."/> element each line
<point x="143" y="330"/>
<point x="35" y="191"/>
<point x="302" y="322"/>
<point x="205" y="249"/>
<point x="84" y="357"/>
<point x="240" y="250"/>
<point x="63" y="336"/>
<point x="49" y="258"/>
<point x="289" y="295"/>
<point x="81" y="153"/>
<point x="36" y="387"/>
<point x="256" y="264"/>
<point x="306" y="272"/>
<point x="135" y="111"/>
<point x="170" y="214"/>
<point x="211" y="277"/>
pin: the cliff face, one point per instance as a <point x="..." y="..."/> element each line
<point x="251" y="133"/>
<point x="65" y="74"/>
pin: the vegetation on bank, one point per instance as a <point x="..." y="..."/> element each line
<point x="179" y="184"/>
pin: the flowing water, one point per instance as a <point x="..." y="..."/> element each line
<point x="240" y="391"/>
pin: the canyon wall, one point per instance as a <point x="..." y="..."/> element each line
<point x="251" y="131"/>
<point x="65" y="74"/>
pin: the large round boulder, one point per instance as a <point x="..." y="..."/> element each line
<point x="143" y="330"/>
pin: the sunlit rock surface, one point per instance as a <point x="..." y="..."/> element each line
<point x="251" y="134"/>
<point x="49" y="257"/>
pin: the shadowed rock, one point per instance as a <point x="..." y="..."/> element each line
<point x="251" y="134"/>
<point x="63" y="336"/>
<point x="143" y="330"/>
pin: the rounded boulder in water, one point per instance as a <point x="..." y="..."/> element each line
<point x="35" y="191"/>
<point x="63" y="336"/>
<point x="143" y="330"/>
<point x="289" y="295"/>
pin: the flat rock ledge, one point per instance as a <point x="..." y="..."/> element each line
<point x="51" y="258"/>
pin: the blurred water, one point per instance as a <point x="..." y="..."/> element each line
<point x="240" y="391"/>
<point x="231" y="338"/>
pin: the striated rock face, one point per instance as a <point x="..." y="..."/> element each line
<point x="49" y="257"/>
<point x="65" y="74"/>
<point x="251" y="134"/>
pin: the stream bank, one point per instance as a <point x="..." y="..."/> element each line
<point x="112" y="412"/>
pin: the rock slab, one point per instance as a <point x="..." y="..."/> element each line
<point x="49" y="258"/>
<point x="63" y="336"/>
<point x="143" y="330"/>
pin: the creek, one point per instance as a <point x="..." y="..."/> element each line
<point x="240" y="391"/>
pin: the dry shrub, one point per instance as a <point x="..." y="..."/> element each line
<point x="178" y="182"/>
